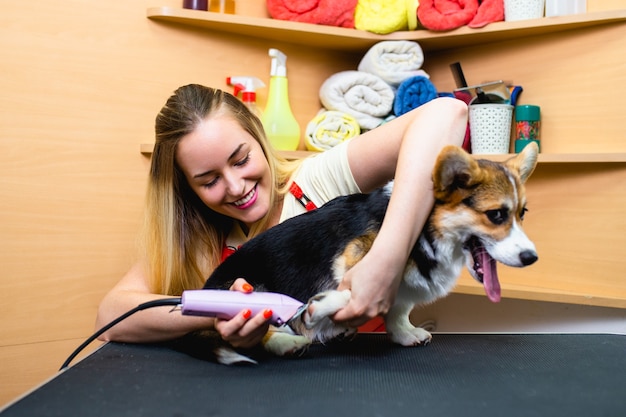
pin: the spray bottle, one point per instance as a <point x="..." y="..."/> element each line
<point x="280" y="125"/>
<point x="247" y="86"/>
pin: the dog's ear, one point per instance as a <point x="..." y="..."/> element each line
<point x="525" y="162"/>
<point x="454" y="169"/>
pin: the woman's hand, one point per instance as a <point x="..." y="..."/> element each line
<point x="373" y="281"/>
<point x="243" y="330"/>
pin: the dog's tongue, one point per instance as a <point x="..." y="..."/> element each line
<point x="490" y="277"/>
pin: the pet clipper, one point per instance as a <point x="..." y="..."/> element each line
<point x="227" y="304"/>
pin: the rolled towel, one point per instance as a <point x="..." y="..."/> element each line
<point x="489" y="11"/>
<point x="412" y="93"/>
<point x="385" y="16"/>
<point x="446" y="14"/>
<point x="394" y="61"/>
<point x="322" y="12"/>
<point x="362" y="95"/>
<point x="329" y="128"/>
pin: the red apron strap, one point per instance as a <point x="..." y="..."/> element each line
<point x="297" y="192"/>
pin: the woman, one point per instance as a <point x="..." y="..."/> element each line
<point x="215" y="183"/>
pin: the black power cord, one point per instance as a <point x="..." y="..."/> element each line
<point x="150" y="304"/>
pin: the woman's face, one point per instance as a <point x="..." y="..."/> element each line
<point x="226" y="168"/>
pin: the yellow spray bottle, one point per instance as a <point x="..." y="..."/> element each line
<point x="280" y="125"/>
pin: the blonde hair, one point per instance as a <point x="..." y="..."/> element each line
<point x="182" y="238"/>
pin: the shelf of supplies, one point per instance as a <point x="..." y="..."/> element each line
<point x="331" y="37"/>
<point x="620" y="157"/>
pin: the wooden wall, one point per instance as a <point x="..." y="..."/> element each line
<point x="81" y="83"/>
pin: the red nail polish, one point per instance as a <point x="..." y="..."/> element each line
<point x="268" y="313"/>
<point x="247" y="314"/>
<point x="247" y="287"/>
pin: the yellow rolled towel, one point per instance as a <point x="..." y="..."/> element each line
<point x="329" y="128"/>
<point x="386" y="16"/>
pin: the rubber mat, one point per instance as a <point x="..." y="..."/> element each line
<point x="456" y="375"/>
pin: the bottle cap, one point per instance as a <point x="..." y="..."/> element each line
<point x="527" y="112"/>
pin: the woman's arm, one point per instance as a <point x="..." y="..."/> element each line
<point x="404" y="149"/>
<point x="161" y="323"/>
<point x="151" y="325"/>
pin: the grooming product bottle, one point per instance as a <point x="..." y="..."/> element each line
<point x="195" y="4"/>
<point x="527" y="125"/>
<point x="222" y="6"/>
<point x="247" y="86"/>
<point x="280" y="125"/>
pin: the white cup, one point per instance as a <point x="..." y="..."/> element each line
<point x="490" y="128"/>
<point x="523" y="9"/>
<point x="565" y="7"/>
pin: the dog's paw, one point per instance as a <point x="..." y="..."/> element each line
<point x="324" y="305"/>
<point x="228" y="356"/>
<point x="415" y="336"/>
<point x="285" y="344"/>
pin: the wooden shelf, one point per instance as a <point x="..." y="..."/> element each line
<point x="550" y="158"/>
<point x="547" y="292"/>
<point x="330" y="37"/>
<point x="146" y="149"/>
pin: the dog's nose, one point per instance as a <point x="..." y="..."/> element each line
<point x="528" y="257"/>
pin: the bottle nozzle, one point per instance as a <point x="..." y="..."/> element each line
<point x="244" y="84"/>
<point x="279" y="63"/>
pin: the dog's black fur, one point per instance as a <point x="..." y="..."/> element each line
<point x="302" y="248"/>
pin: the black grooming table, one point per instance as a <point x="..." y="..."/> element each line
<point x="456" y="375"/>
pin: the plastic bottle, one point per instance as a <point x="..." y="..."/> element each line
<point x="280" y="125"/>
<point x="195" y="4"/>
<point x="247" y="86"/>
<point x="527" y="125"/>
<point x="222" y="6"/>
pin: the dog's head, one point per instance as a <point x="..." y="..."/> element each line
<point x="480" y="205"/>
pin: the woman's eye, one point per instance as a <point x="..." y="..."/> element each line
<point x="243" y="161"/>
<point x="210" y="183"/>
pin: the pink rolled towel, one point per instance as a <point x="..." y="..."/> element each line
<point x="446" y="14"/>
<point x="489" y="11"/>
<point x="322" y="12"/>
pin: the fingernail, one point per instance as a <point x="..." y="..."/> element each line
<point x="247" y="314"/>
<point x="247" y="287"/>
<point x="268" y="313"/>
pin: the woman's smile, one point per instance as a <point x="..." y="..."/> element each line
<point x="248" y="200"/>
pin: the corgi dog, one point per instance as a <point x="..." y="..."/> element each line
<point x="476" y="220"/>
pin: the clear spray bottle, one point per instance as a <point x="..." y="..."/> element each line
<point x="247" y="86"/>
<point x="280" y="125"/>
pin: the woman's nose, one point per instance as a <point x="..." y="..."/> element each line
<point x="235" y="185"/>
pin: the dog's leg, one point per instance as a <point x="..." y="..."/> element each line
<point x="325" y="304"/>
<point x="281" y="341"/>
<point x="316" y="322"/>
<point x="401" y="330"/>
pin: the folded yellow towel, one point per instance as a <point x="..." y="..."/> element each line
<point x="329" y="128"/>
<point x="386" y="16"/>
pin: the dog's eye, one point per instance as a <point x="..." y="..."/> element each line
<point x="498" y="216"/>
<point x="522" y="213"/>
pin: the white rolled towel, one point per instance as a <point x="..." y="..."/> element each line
<point x="394" y="61"/>
<point x="364" y="96"/>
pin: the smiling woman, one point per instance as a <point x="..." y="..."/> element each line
<point x="227" y="169"/>
<point x="215" y="182"/>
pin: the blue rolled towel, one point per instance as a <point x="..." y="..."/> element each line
<point x="412" y="93"/>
